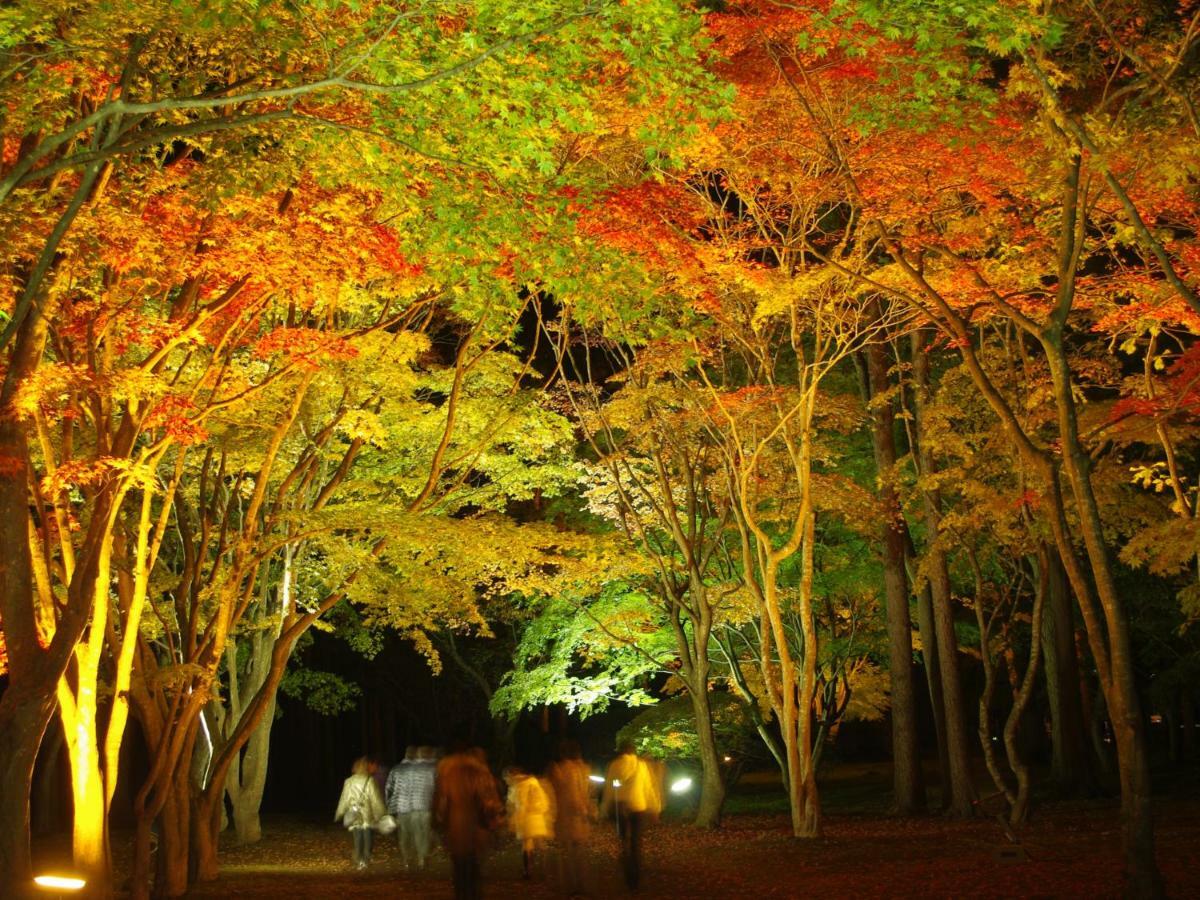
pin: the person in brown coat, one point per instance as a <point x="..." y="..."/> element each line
<point x="466" y="809"/>
<point x="574" y="812"/>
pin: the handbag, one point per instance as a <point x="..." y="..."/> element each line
<point x="386" y="824"/>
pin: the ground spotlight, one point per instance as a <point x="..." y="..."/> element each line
<point x="59" y="882"/>
<point x="681" y="785"/>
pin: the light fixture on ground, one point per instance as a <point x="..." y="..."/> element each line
<point x="59" y="882"/>
<point x="681" y="785"/>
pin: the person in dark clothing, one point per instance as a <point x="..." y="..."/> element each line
<point x="466" y="809"/>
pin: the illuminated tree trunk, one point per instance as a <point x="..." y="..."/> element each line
<point x="908" y="785"/>
<point x="712" y="785"/>
<point x="94" y="754"/>
<point x="248" y="779"/>
<point x="791" y="688"/>
<point x="78" y="709"/>
<point x="28" y="701"/>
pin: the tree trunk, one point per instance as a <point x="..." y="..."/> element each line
<point x="1020" y="769"/>
<point x="48" y="782"/>
<point x="712" y="785"/>
<point x="23" y="721"/>
<point x="28" y="700"/>
<point x="933" y="681"/>
<point x="205" y="827"/>
<point x="250" y="777"/>
<point x="906" y="760"/>
<point x="1120" y="688"/>
<point x="1070" y="766"/>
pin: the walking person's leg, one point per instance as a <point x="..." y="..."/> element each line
<point x="625" y="825"/>
<point x="359" y="847"/>
<point x="636" y="823"/>
<point x="460" y="866"/>
<point x="404" y="837"/>
<point x="368" y="840"/>
<point x="476" y="872"/>
<point x="422" y="835"/>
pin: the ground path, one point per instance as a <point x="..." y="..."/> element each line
<point x="1073" y="852"/>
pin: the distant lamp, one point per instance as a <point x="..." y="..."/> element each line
<point x="728" y="759"/>
<point x="599" y="779"/>
<point x="616" y="783"/>
<point x="60" y="882"/>
<point x="681" y="785"/>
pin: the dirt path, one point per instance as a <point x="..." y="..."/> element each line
<point x="1072" y="850"/>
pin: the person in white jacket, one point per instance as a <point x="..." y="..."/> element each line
<point x="360" y="808"/>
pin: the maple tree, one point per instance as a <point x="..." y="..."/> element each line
<point x="96" y="127"/>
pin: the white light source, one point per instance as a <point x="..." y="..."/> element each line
<point x="59" y="882"/>
<point x="616" y="783"/>
<point x="681" y="785"/>
<point x="599" y="779"/>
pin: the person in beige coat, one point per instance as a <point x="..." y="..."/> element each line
<point x="360" y="808"/>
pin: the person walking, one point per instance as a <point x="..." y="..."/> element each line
<point x="570" y="781"/>
<point x="628" y="789"/>
<point x="360" y="808"/>
<point x="410" y="800"/>
<point x="529" y="815"/>
<point x="466" y="809"/>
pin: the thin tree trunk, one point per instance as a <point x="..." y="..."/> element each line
<point x="1120" y="689"/>
<point x="908" y="784"/>
<point x="1020" y="808"/>
<point x="933" y="682"/>
<point x="1070" y="766"/>
<point x="984" y="620"/>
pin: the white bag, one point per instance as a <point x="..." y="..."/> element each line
<point x="386" y="824"/>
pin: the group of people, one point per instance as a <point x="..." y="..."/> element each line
<point x="458" y="797"/>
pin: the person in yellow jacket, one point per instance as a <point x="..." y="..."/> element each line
<point x="529" y="814"/>
<point x="629" y="789"/>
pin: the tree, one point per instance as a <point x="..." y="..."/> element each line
<point x="218" y="84"/>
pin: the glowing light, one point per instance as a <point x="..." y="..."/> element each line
<point x="681" y="785"/>
<point x="728" y="759"/>
<point x="616" y="783"/>
<point x="599" y="779"/>
<point x="59" y="882"/>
